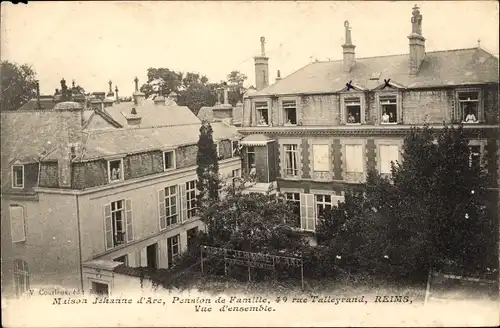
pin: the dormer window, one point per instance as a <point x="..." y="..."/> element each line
<point x="353" y="110"/>
<point x="468" y="106"/>
<point x="17" y="176"/>
<point x="115" y="170"/>
<point x="262" y="113"/>
<point x="290" y="112"/>
<point x="169" y="160"/>
<point x="389" y="109"/>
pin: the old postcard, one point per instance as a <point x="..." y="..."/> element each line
<point x="219" y="163"/>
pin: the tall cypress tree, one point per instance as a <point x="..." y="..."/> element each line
<point x="208" y="167"/>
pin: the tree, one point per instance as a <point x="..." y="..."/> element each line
<point x="235" y="81"/>
<point x="207" y="168"/>
<point x="18" y="85"/>
<point x="197" y="95"/>
<point x="162" y="80"/>
<point x="252" y="222"/>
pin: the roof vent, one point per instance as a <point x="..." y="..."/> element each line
<point x="133" y="111"/>
<point x="375" y="76"/>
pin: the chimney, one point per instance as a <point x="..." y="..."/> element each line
<point x="116" y="94"/>
<point x="159" y="100"/>
<point x="38" y="104"/>
<point x="133" y="118"/>
<point x="262" y="67"/>
<point x="417" y="42"/>
<point x="110" y="92"/>
<point x="226" y="98"/>
<point x="278" y="76"/>
<point x="138" y="96"/>
<point x="349" y="55"/>
<point x="173" y="95"/>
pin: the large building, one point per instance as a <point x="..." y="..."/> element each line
<point x="318" y="131"/>
<point x="83" y="187"/>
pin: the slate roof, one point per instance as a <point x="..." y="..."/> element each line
<point x="207" y="113"/>
<point x="102" y="143"/>
<point x="45" y="103"/>
<point x="439" y="68"/>
<point x="153" y="114"/>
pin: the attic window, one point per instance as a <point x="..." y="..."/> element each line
<point x="290" y="112"/>
<point x="469" y="106"/>
<point x="169" y="160"/>
<point x="375" y="76"/>
<point x="262" y="113"/>
<point x="115" y="170"/>
<point x="17" y="176"/>
<point x="389" y="109"/>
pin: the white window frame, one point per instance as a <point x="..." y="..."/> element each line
<point x="177" y="212"/>
<point x="380" y="112"/>
<point x="387" y="142"/>
<point x="480" y="107"/>
<point x="114" y="222"/>
<point x="121" y="170"/>
<point x="295" y="202"/>
<point x="21" y="273"/>
<point x="97" y="281"/>
<point x="353" y="142"/>
<point x="190" y="191"/>
<point x="259" y="106"/>
<point x="323" y="202"/>
<point x="286" y="105"/>
<point x="349" y="96"/>
<point x="171" y="242"/>
<point x="217" y="149"/>
<point x="23" y="218"/>
<point x="14" y="175"/>
<point x="295" y="168"/>
<point x="173" y="160"/>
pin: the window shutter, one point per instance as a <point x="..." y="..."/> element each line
<point x="108" y="226"/>
<point x="128" y="216"/>
<point x="17" y="223"/>
<point x="144" y="257"/>
<point x="311" y="212"/>
<point x="161" y="208"/>
<point x="307" y="209"/>
<point x="162" y="254"/>
<point x="183" y="197"/>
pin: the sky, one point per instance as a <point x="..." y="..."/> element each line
<point x="94" y="42"/>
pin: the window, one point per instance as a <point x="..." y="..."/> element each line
<point x="294" y="199"/>
<point x="354" y="162"/>
<point x="170" y="206"/>
<point x="169" y="160"/>
<point x="388" y="154"/>
<point x="123" y="259"/>
<point x="191" y="198"/>
<point x="17" y="224"/>
<point x="21" y="277"/>
<point x="389" y="109"/>
<point x="235" y="148"/>
<point x="353" y="110"/>
<point x="323" y="203"/>
<point x="290" y="112"/>
<point x="173" y="249"/>
<point x="291" y="160"/>
<point x="117" y="216"/>
<point x="468" y="106"/>
<point x="115" y="170"/>
<point x="250" y="158"/>
<point x="17" y="176"/>
<point x="321" y="158"/>
<point x="118" y="223"/>
<point x="99" y="289"/>
<point x="262" y="113"/>
<point x="475" y="157"/>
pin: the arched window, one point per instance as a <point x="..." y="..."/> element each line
<point x="21" y="277"/>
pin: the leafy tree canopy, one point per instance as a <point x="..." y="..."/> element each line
<point x="18" y="85"/>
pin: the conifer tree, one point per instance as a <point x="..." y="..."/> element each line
<point x="208" y="167"/>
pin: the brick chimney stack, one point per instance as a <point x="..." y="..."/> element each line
<point x="417" y="42"/>
<point x="278" y="76"/>
<point x="349" y="57"/>
<point x="138" y="96"/>
<point x="262" y="67"/>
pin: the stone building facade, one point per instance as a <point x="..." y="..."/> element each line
<point x="322" y="128"/>
<point x="84" y="187"/>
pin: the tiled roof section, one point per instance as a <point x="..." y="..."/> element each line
<point x="45" y="103"/>
<point x="439" y="68"/>
<point x="103" y="143"/>
<point x="153" y="114"/>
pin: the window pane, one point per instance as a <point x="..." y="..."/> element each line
<point x="354" y="158"/>
<point x="321" y="158"/>
<point x="388" y="153"/>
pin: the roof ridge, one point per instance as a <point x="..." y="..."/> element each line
<point x="141" y="128"/>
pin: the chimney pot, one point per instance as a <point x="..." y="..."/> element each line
<point x="262" y="67"/>
<point x="349" y="56"/>
<point x="417" y="42"/>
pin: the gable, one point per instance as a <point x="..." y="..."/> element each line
<point x="97" y="122"/>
